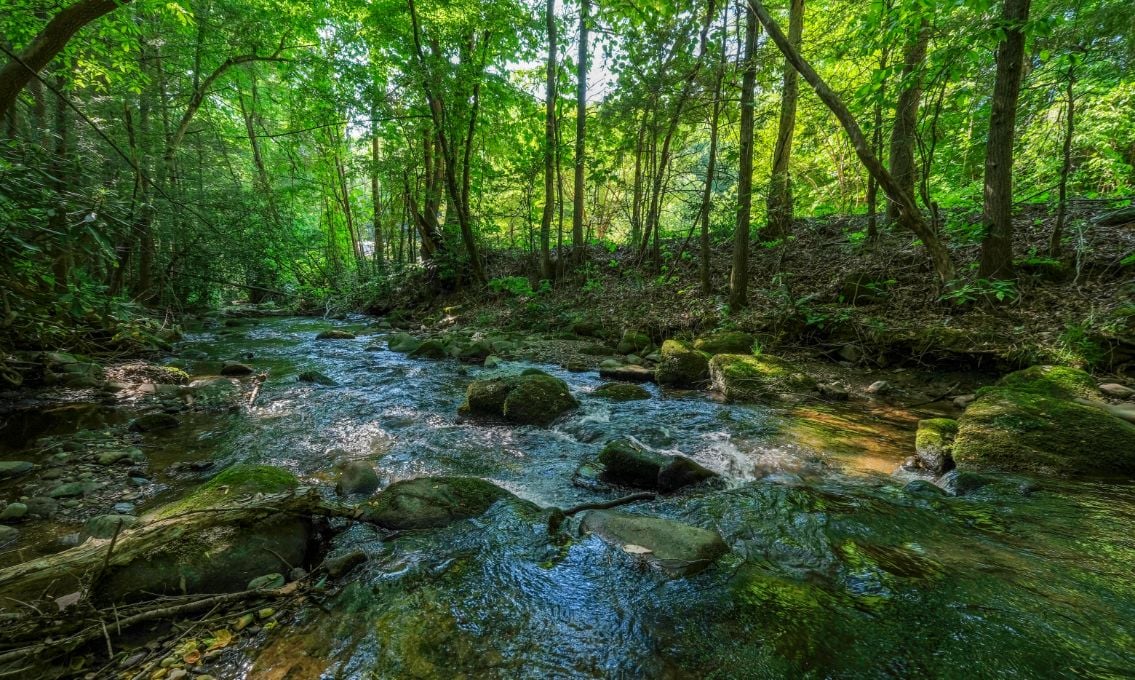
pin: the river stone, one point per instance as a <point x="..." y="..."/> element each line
<point x="921" y="487"/>
<point x="678" y="548"/>
<point x="538" y="400"/>
<point x="315" y="377"/>
<point x="486" y="397"/>
<point x="1122" y="411"/>
<point x="266" y="582"/>
<point x="628" y="372"/>
<point x="726" y="342"/>
<point x="13" y="511"/>
<point x="129" y="457"/>
<point x="681" y="365"/>
<point x="430" y="349"/>
<point x="235" y="368"/>
<point x="681" y="472"/>
<point x="1022" y="430"/>
<point x="1063" y="382"/>
<point x="403" y="343"/>
<point x="152" y="422"/>
<point x="475" y="352"/>
<point x="626" y="463"/>
<point x="124" y="508"/>
<point x="1117" y="391"/>
<point x="427" y="502"/>
<point x="492" y="361"/>
<point x="42" y="506"/>
<point x="341" y="564"/>
<point x="634" y="341"/>
<point x="8" y="534"/>
<point x="335" y="335"/>
<point x="617" y="391"/>
<point x="745" y="377"/>
<point x="357" y="477"/>
<point x="104" y="526"/>
<point x="14" y="468"/>
<point x="73" y="489"/>
<point x="934" y="442"/>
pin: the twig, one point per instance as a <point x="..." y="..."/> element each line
<point x="945" y="394"/>
<point x="605" y="505"/>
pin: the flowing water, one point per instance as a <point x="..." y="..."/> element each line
<point x="834" y="571"/>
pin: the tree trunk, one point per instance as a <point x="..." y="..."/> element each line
<point x="578" y="246"/>
<point x="549" y="148"/>
<point x="19" y="71"/>
<point x="711" y="169"/>
<point x="376" y="204"/>
<point x="739" y="279"/>
<point x="779" y="203"/>
<point x="909" y="216"/>
<point x="1057" y="236"/>
<point x="636" y="194"/>
<point x="997" y="246"/>
<point x="904" y="132"/>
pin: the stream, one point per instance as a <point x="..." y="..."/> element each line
<point x="835" y="569"/>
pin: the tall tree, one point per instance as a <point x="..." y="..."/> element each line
<point x="580" y="133"/>
<point x="779" y="202"/>
<point x="909" y="216"/>
<point x="905" y="130"/>
<point x="711" y="163"/>
<point x="997" y="246"/>
<point x="739" y="278"/>
<point x="549" y="146"/>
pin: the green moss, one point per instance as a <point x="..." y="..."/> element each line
<point x="682" y="365"/>
<point x="744" y="377"/>
<point x="626" y="463"/>
<point x="1030" y="431"/>
<point x="428" y="502"/>
<point x="935" y="433"/>
<point x="487" y="396"/>
<point x="335" y="335"/>
<point x="430" y="349"/>
<point x="1052" y="381"/>
<point x="621" y="392"/>
<point x="634" y="341"/>
<point x="233" y="482"/>
<point x="726" y="342"/>
<point x="538" y="400"/>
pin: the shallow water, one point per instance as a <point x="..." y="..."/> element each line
<point x="834" y="569"/>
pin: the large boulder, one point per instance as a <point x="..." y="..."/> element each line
<point x="678" y="548"/>
<point x="628" y="464"/>
<point x="934" y="444"/>
<point x="726" y="342"/>
<point x="1029" y="430"/>
<point x="746" y="377"/>
<point x="428" y="502"/>
<point x="403" y="343"/>
<point x="634" y="342"/>
<point x="357" y="477"/>
<point x="681" y="365"/>
<point x="430" y="349"/>
<point x="532" y="398"/>
<point x="1054" y="381"/>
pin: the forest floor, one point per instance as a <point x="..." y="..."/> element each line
<point x="827" y="295"/>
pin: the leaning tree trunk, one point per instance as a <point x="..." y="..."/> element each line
<point x="997" y="246"/>
<point x="909" y="216"/>
<point x="779" y="203"/>
<point x="739" y="278"/>
<point x="904" y="132"/>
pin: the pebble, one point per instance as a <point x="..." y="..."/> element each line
<point x="7" y="534"/>
<point x="124" y="508"/>
<point x="177" y="674"/>
<point x="1117" y="391"/>
<point x="42" y="506"/>
<point x="13" y="511"/>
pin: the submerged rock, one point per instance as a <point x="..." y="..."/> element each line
<point x="678" y="548"/>
<point x="335" y="335"/>
<point x="532" y="398"/>
<point x="428" y="502"/>
<point x="681" y="365"/>
<point x="73" y="489"/>
<point x="403" y="343"/>
<point x="315" y="377"/>
<point x="745" y="377"/>
<point x="621" y="392"/>
<point x="357" y="477"/>
<point x="234" y="368"/>
<point x="629" y="464"/>
<point x="13" y="511"/>
<point x="1030" y="423"/>
<point x="14" y="468"/>
<point x="152" y="422"/>
<point x="934" y="444"/>
<point x="726" y="342"/>
<point x="628" y="372"/>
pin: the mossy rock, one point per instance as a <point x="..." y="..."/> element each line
<point x="429" y="502"/>
<point x="335" y="335"/>
<point x="430" y="349"/>
<point x="634" y="341"/>
<point x="934" y="444"/>
<point x="1017" y="430"/>
<point x="153" y="422"/>
<point x="315" y="377"/>
<point x="233" y="482"/>
<point x="681" y="365"/>
<point x="538" y="400"/>
<point x="475" y="352"/>
<point x="621" y="392"/>
<point x="678" y="548"/>
<point x="486" y="397"/>
<point x="745" y="377"/>
<point x="235" y="368"/>
<point x="628" y="464"/>
<point x="403" y="343"/>
<point x="725" y="342"/>
<point x="1053" y="381"/>
<point x="597" y="350"/>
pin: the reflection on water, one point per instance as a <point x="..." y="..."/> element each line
<point x="834" y="570"/>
